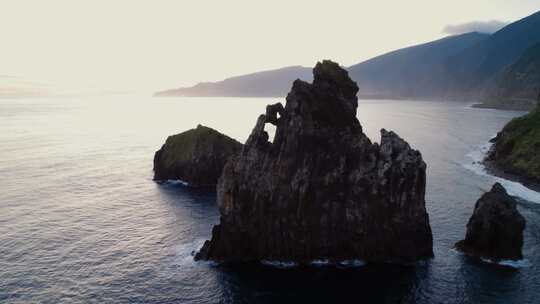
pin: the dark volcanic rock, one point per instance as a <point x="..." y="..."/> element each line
<point x="196" y="156"/>
<point x="321" y="189"/>
<point x="495" y="230"/>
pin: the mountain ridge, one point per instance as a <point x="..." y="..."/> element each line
<point x="268" y="83"/>
<point x="478" y="66"/>
<point x="419" y="62"/>
<point x="461" y="67"/>
<point x="516" y="86"/>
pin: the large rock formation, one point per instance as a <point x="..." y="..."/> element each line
<point x="321" y="189"/>
<point x="196" y="156"/>
<point x="495" y="230"/>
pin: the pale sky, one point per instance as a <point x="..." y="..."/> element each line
<point x="146" y="46"/>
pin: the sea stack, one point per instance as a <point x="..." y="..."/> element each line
<point x="321" y="190"/>
<point x="196" y="156"/>
<point x="495" y="230"/>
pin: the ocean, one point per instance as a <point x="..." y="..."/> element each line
<point x="81" y="220"/>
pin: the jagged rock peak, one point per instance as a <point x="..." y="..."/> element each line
<point x="321" y="189"/>
<point x="328" y="72"/>
<point x="329" y="101"/>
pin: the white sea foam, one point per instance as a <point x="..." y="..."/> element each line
<point x="279" y="264"/>
<point x="341" y="264"/>
<point x="509" y="263"/>
<point x="476" y="165"/>
<point x="175" y="182"/>
<point x="316" y="263"/>
<point x="320" y="263"/>
<point x="352" y="263"/>
<point x="184" y="253"/>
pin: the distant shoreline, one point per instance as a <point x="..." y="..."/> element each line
<point x="522" y="105"/>
<point x="515" y="105"/>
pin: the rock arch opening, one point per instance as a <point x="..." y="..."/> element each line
<point x="270" y="129"/>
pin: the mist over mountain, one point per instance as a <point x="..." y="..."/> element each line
<point x="461" y="67"/>
<point x="488" y="27"/>
<point x="472" y="66"/>
<point x="475" y="66"/>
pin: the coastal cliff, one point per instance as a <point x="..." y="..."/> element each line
<point x="321" y="189"/>
<point x="515" y="149"/>
<point x="196" y="156"/>
<point x="495" y="230"/>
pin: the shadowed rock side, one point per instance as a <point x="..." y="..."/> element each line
<point x="321" y="189"/>
<point x="196" y="156"/>
<point x="495" y="230"/>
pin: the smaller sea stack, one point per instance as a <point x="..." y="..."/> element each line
<point x="196" y="156"/>
<point x="495" y="230"/>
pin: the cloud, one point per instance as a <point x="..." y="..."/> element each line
<point x="487" y="27"/>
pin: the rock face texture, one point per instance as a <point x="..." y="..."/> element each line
<point x="321" y="189"/>
<point x="495" y="230"/>
<point x="196" y="156"/>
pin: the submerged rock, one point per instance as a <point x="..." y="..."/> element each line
<point x="495" y="230"/>
<point x="196" y="156"/>
<point x="321" y="190"/>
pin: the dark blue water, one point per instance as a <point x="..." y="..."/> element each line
<point x="82" y="222"/>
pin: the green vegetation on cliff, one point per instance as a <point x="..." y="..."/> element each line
<point x="182" y="147"/>
<point x="517" y="147"/>
<point x="196" y="156"/>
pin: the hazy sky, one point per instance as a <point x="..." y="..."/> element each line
<point x="149" y="45"/>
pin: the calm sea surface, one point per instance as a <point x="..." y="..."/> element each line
<point x="82" y="222"/>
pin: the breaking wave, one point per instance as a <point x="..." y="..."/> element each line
<point x="476" y="165"/>
<point x="315" y="263"/>
<point x="509" y="263"/>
